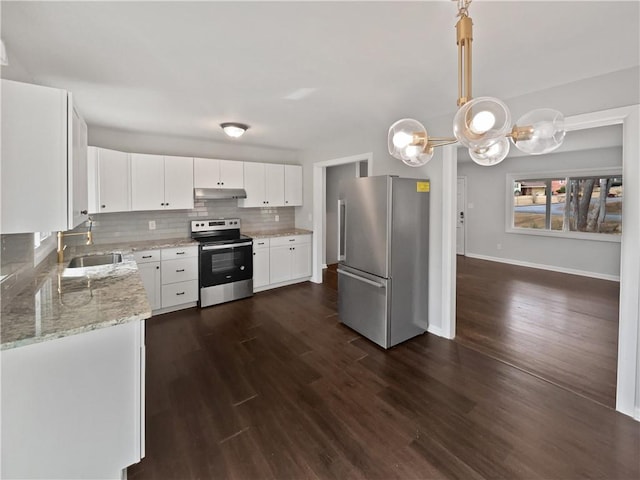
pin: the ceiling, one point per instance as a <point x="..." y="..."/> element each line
<point x="181" y="68"/>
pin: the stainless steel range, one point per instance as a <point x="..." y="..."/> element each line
<point x="226" y="261"/>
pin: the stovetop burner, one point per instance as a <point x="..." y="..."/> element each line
<point x="218" y="231"/>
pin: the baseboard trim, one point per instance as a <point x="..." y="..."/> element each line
<point x="436" y="331"/>
<point x="281" y="284"/>
<point x="551" y="268"/>
<point x="174" y="308"/>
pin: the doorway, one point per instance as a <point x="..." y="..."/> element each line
<point x="461" y="203"/>
<point x="358" y="165"/>
<point x="522" y="291"/>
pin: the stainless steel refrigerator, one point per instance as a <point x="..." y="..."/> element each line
<point x="384" y="253"/>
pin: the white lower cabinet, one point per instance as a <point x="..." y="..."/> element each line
<point x="73" y="407"/>
<point x="149" y="267"/>
<point x="260" y="263"/>
<point x="170" y="276"/>
<point x="281" y="261"/>
<point x="178" y="293"/>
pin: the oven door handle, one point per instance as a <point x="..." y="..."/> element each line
<point x="222" y="247"/>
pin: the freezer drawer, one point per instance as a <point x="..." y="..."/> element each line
<point x="363" y="305"/>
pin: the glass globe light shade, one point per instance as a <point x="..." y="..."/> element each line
<point x="546" y="131"/>
<point x="481" y="122"/>
<point x="491" y="155"/>
<point x="407" y="140"/>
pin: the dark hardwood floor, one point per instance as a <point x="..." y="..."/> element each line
<point x="274" y="387"/>
<point x="561" y="327"/>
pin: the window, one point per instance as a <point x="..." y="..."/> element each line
<point x="578" y="206"/>
<point x="43" y="244"/>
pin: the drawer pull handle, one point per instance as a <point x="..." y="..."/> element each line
<point x="147" y="256"/>
<point x="292" y="239"/>
<point x="180" y="253"/>
<point x="180" y="293"/>
<point x="181" y="270"/>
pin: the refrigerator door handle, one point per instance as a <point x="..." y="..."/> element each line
<point x="342" y="227"/>
<point x="362" y="279"/>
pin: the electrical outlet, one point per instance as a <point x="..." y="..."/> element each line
<point x="152" y="224"/>
<point x="499" y="246"/>
<point x="277" y="218"/>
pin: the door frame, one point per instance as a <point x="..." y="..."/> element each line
<point x="320" y="205"/>
<point x="464" y="211"/>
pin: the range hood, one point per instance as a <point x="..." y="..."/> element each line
<point x="219" y="193"/>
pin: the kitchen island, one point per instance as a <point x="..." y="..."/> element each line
<point x="73" y="373"/>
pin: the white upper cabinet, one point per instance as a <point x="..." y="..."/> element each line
<point x="161" y="182"/>
<point x="292" y="185"/>
<point x="254" y="184"/>
<point x="44" y="183"/>
<point x="77" y="193"/>
<point x="274" y="184"/>
<point x="178" y="183"/>
<point x="147" y="182"/>
<point x="213" y="173"/>
<point x="111" y="182"/>
<point x="264" y="183"/>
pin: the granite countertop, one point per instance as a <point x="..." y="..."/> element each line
<point x="277" y="233"/>
<point x="65" y="301"/>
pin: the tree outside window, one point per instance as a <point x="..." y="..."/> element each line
<point x="590" y="204"/>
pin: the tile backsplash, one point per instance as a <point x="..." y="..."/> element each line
<point x="134" y="226"/>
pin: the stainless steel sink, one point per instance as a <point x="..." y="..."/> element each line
<point x="95" y="260"/>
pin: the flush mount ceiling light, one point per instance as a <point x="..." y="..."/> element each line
<point x="234" y="130"/>
<point x="482" y="124"/>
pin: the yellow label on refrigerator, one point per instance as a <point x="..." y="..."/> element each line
<point x="423" y="186"/>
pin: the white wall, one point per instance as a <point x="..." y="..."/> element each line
<point x="485" y="222"/>
<point x="137" y="142"/>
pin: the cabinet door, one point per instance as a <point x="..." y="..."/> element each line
<point x="280" y="264"/>
<point x="147" y="182"/>
<point x="34" y="158"/>
<point x="75" y="404"/>
<point x="254" y="185"/>
<point x="301" y="260"/>
<point x="113" y="181"/>
<point x="206" y="173"/>
<point x="150" y="274"/>
<point x="292" y="185"/>
<point x="178" y="183"/>
<point x="274" y="185"/>
<point x="78" y="199"/>
<point x="260" y="267"/>
<point x="231" y="174"/>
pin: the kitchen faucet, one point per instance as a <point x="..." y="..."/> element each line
<point x="62" y="246"/>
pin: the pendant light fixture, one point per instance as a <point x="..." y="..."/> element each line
<point x="482" y="124"/>
<point x="233" y="129"/>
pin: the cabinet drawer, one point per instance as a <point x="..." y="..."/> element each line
<point x="259" y="243"/>
<point x="179" y="252"/>
<point x="179" y="270"/>
<point x="147" y="256"/>
<point x="291" y="240"/>
<point x="178" y="293"/>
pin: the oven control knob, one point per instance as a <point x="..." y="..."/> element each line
<point x="241" y="267"/>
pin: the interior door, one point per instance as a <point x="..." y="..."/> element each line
<point x="460" y="215"/>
